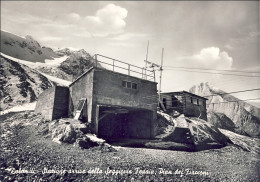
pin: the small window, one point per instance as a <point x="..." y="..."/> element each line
<point x="134" y="86"/>
<point x="198" y="102"/>
<point x="191" y="100"/>
<point x="129" y="85"/>
<point x="124" y="84"/>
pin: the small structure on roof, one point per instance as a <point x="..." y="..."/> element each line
<point x="184" y="102"/>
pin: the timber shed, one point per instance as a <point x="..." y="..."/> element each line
<point x="186" y="103"/>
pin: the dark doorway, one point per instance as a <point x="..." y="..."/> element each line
<point x="164" y="103"/>
<point x="119" y="122"/>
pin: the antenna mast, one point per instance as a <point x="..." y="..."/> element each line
<point x="146" y="59"/>
<point x="160" y="84"/>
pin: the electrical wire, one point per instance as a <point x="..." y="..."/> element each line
<point x="216" y="73"/>
<point x="211" y="69"/>
<point x="235" y="101"/>
<point x="169" y="96"/>
<point x="233" y="92"/>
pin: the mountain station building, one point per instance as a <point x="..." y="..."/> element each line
<point x="114" y="98"/>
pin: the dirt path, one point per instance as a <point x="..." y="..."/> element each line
<point x="28" y="156"/>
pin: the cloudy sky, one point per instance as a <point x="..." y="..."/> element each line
<point x="195" y="34"/>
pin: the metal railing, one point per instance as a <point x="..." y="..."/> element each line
<point x="123" y="67"/>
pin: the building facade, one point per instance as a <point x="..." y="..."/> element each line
<point x="186" y="103"/>
<point x="116" y="104"/>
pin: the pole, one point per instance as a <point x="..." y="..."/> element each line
<point x="160" y="84"/>
<point x="146" y="59"/>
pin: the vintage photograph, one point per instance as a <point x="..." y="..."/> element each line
<point x="130" y="91"/>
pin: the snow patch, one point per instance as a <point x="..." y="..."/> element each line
<point x="57" y="80"/>
<point x="48" y="62"/>
<point x="94" y="138"/>
<point x="24" y="107"/>
<point x="70" y="48"/>
<point x="55" y="61"/>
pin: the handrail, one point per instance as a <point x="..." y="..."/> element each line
<point x="151" y="76"/>
<point x="120" y="61"/>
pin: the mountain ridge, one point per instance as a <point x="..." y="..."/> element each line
<point x="25" y="48"/>
<point x="28" y="49"/>
<point x="223" y="108"/>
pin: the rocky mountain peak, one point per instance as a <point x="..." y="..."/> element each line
<point x="205" y="89"/>
<point x="76" y="53"/>
<point x="63" y="52"/>
<point x="245" y="117"/>
<point x="32" y="42"/>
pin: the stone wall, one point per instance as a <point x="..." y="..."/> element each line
<point x="45" y="103"/>
<point x="53" y="103"/>
<point x="82" y="88"/>
<point x="108" y="90"/>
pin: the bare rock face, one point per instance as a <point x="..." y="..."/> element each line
<point x="245" y="117"/>
<point x="77" y="63"/>
<point x="19" y="84"/>
<point x="66" y="131"/>
<point x="192" y="130"/>
<point x="220" y="120"/>
<point x="74" y="132"/>
<point x="188" y="134"/>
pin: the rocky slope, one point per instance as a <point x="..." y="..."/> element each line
<point x="23" y="148"/>
<point x="240" y="117"/>
<point x="64" y="63"/>
<point x="19" y="84"/>
<point x="27" y="68"/>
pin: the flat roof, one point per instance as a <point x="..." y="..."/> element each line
<point x="98" y="68"/>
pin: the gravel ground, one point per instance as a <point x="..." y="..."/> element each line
<point x="28" y="156"/>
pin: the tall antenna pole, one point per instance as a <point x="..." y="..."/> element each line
<point x="160" y="84"/>
<point x="146" y="59"/>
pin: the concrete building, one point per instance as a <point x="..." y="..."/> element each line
<point x="185" y="103"/>
<point x="115" y="104"/>
<point x="53" y="103"/>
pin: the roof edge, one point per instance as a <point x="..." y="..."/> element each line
<point x="186" y="93"/>
<point x="81" y="75"/>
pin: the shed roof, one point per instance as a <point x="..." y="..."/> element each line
<point x="184" y="92"/>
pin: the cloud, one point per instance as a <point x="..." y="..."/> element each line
<point x="250" y="37"/>
<point x="74" y="17"/>
<point x="108" y="20"/>
<point x="122" y="44"/>
<point x="130" y="36"/>
<point x="229" y="47"/>
<point x="210" y="57"/>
